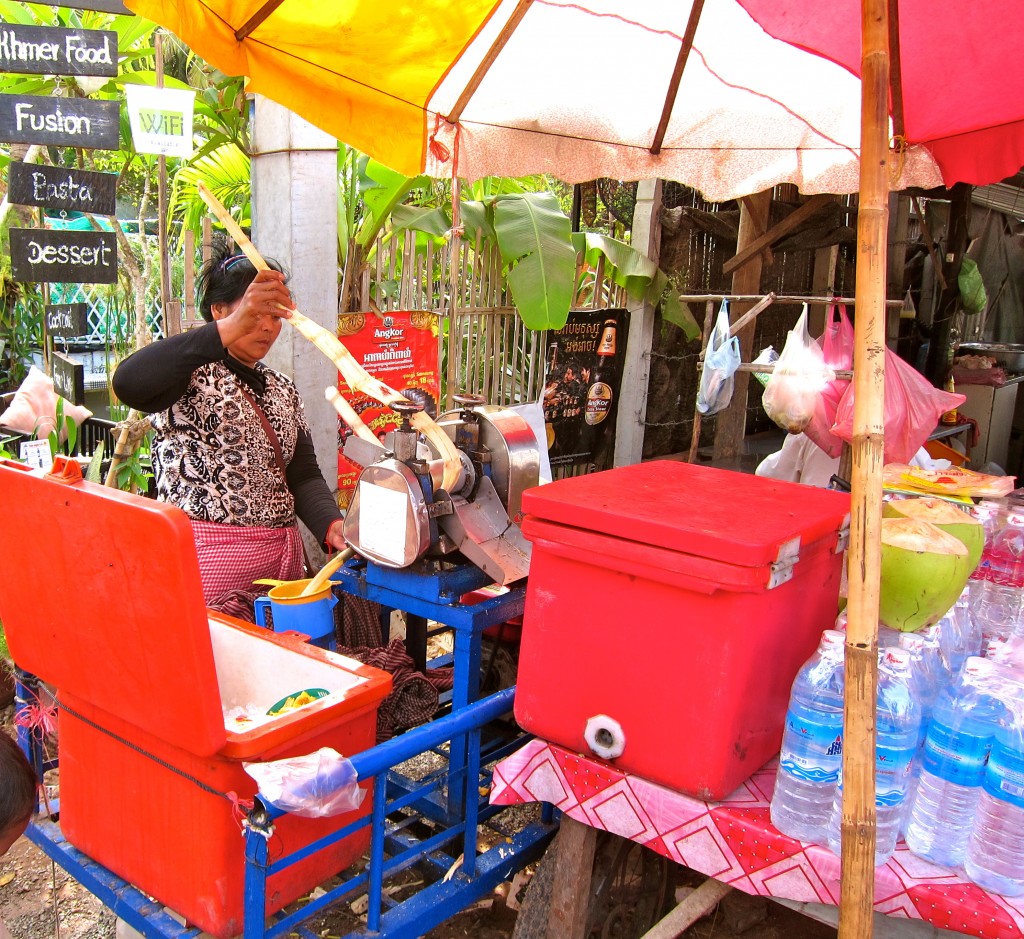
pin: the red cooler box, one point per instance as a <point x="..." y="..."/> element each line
<point x="164" y="700"/>
<point x="668" y="609"/>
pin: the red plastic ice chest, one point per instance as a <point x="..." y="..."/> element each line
<point x="103" y="600"/>
<point x="671" y="605"/>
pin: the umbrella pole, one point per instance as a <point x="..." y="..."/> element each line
<point x="864" y="556"/>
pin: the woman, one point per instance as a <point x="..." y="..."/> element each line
<point x="17" y="798"/>
<point x="231" y="445"/>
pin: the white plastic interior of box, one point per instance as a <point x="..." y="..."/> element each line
<point x="254" y="674"/>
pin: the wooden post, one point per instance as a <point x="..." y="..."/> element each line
<point x="823" y="283"/>
<point x="899" y="224"/>
<point x="570" y="891"/>
<point x="939" y="352"/>
<point x="731" y="424"/>
<point x="864" y="558"/>
<point x="171" y="312"/>
<point x="190" y="277"/>
<point x="632" y="410"/>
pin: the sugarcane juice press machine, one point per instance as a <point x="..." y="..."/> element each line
<point x="422" y="548"/>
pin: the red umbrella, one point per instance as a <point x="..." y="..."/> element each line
<point x="956" y="73"/>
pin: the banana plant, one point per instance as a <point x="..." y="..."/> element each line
<point x="638" y="275"/>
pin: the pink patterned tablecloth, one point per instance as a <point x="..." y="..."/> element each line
<point x="735" y="842"/>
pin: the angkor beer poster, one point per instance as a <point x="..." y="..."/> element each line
<point x="581" y="385"/>
<point x="399" y="349"/>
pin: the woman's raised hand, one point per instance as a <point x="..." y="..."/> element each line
<point x="265" y="296"/>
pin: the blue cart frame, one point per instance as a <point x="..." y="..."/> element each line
<point x="451" y="801"/>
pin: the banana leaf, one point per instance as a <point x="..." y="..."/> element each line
<point x="534" y="239"/>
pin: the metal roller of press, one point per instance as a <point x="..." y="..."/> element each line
<point x="399" y="512"/>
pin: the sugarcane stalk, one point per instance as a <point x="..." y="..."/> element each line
<point x="348" y="414"/>
<point x="355" y="375"/>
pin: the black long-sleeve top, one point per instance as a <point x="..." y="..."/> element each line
<point x="211" y="453"/>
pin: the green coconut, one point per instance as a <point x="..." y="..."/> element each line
<point x="924" y="570"/>
<point x="947" y="517"/>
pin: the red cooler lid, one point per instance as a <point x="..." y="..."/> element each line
<point x="720" y="514"/>
<point x="101" y="597"/>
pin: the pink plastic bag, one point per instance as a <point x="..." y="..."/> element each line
<point x="837" y="348"/>
<point x="912" y="409"/>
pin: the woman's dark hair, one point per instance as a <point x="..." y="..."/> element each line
<point x="17" y="784"/>
<point x="224" y="278"/>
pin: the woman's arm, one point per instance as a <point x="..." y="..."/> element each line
<point x="314" y="503"/>
<point x="154" y="377"/>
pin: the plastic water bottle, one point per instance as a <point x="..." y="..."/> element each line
<point x="897" y="725"/>
<point x="929" y="675"/>
<point x="995" y="850"/>
<point x="999" y="602"/>
<point x="812" y="745"/>
<point x="956" y="749"/>
<point x="953" y="642"/>
<point x="969" y="626"/>
<point x="928" y="671"/>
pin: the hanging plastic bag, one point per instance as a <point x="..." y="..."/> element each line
<point x="791" y="394"/>
<point x="313" y="786"/>
<point x="721" y="360"/>
<point x="765" y="357"/>
<point x="911" y="409"/>
<point x="972" y="288"/>
<point x="837" y="349"/>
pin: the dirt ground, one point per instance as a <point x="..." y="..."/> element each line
<point x="38" y="900"/>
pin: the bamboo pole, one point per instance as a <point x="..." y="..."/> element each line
<point x="864" y="558"/>
<point x="357" y="377"/>
<point x="709" y="314"/>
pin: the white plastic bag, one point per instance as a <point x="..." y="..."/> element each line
<point x="800" y="375"/>
<point x="721" y="359"/>
<point x="313" y="786"/>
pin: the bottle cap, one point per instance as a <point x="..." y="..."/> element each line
<point x="832" y="638"/>
<point x="976" y="665"/>
<point x="896" y="657"/>
<point x="912" y="642"/>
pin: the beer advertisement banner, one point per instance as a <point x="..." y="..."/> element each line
<point x="581" y="385"/>
<point x="399" y="349"/>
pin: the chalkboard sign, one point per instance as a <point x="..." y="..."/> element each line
<point x="62" y="122"/>
<point x="55" y="50"/>
<point x="68" y="378"/>
<point x="67" y="319"/>
<point x="102" y="6"/>
<point x="66" y="257"/>
<point x="64" y="188"/>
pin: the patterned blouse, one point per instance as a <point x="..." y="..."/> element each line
<point x="211" y="453"/>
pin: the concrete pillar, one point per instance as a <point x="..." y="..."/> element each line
<point x="636" y="371"/>
<point x="295" y="221"/>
